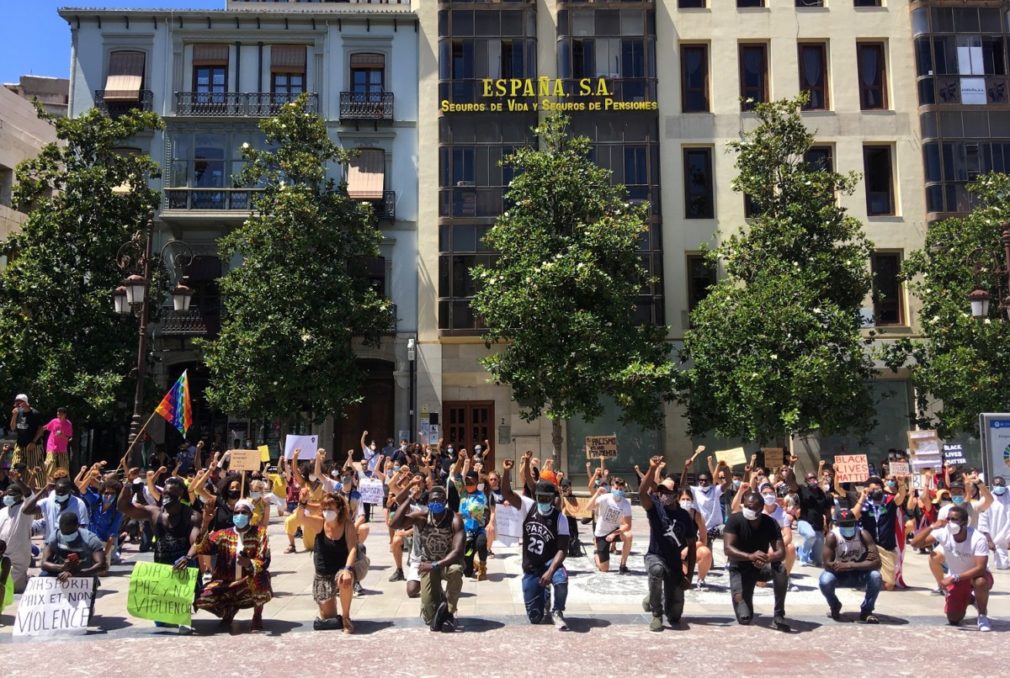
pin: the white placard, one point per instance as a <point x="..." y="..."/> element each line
<point x="508" y="525"/>
<point x="370" y="490"/>
<point x="307" y="444"/>
<point x="50" y="607"/>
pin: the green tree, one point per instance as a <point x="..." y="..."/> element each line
<point x="559" y="300"/>
<point x="62" y="342"/>
<point x="300" y="298"/>
<point x="961" y="364"/>
<point x="775" y="348"/>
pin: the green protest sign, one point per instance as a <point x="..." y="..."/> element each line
<point x="8" y="591"/>
<point x="159" y="593"/>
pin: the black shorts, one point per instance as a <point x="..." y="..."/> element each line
<point x="603" y="547"/>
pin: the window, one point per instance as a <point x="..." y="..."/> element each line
<point x="810" y="3"/>
<point x="691" y="4"/>
<point x="461" y="248"/>
<point x="753" y="75"/>
<point x="583" y="58"/>
<point x="287" y="71"/>
<point x="6" y="185"/>
<point x="872" y="78"/>
<point x="866" y="3"/>
<point x="210" y="72"/>
<point x="888" y="308"/>
<point x="813" y="60"/>
<point x="701" y="276"/>
<point x="819" y="158"/>
<point x="368" y="76"/>
<point x="878" y="180"/>
<point x="635" y="166"/>
<point x="698" y="203"/>
<point x="125" y="77"/>
<point x="694" y="78"/>
<point x="750" y="3"/>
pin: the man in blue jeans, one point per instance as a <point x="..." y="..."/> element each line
<point x="815" y="507"/>
<point x="850" y="559"/>
<point x="545" y="544"/>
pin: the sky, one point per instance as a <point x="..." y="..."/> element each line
<point x="34" y="39"/>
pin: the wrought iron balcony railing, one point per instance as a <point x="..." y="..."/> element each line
<point x="366" y="105"/>
<point x="236" y="104"/>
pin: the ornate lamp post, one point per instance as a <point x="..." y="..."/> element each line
<point x="980" y="298"/>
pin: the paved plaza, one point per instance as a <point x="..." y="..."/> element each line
<point x="609" y="632"/>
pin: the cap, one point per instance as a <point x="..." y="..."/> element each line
<point x="549" y="476"/>
<point x="844" y="515"/>
<point x="566" y="483"/>
<point x="471" y="478"/>
<point x="544" y="487"/>
<point x="21" y="396"/>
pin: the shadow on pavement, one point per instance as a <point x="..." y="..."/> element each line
<point x="104" y="624"/>
<point x="708" y="621"/>
<point x="479" y="625"/>
<point x="367" y="627"/>
<point x="585" y="624"/>
<point x="795" y="625"/>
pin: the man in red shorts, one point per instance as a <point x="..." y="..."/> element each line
<point x="968" y="580"/>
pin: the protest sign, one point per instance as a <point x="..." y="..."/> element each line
<point x="244" y="460"/>
<point x="601" y="447"/>
<point x="8" y="591"/>
<point x="507" y="525"/>
<point x="851" y="468"/>
<point x="50" y="607"/>
<point x="774" y="457"/>
<point x="264" y="453"/>
<point x="159" y="593"/>
<point x="953" y="454"/>
<point x="307" y="445"/>
<point x="732" y="457"/>
<point x="370" y="490"/>
<point x="580" y="508"/>
<point x="901" y="469"/>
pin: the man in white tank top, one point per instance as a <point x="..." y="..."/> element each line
<point x="850" y="559"/>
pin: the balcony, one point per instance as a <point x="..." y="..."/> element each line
<point x="236" y="104"/>
<point x="385" y="209"/>
<point x="366" y="106"/>
<point x="209" y="198"/>
<point x="183" y="323"/>
<point x="117" y="107"/>
<point x="967" y="90"/>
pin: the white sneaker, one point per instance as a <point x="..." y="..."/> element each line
<point x="983" y="623"/>
<point x="559" y="621"/>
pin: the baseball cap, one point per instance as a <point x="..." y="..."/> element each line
<point x="844" y="515"/>
<point x="544" y="487"/>
<point x="21" y="396"/>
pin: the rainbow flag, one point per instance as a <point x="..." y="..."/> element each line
<point x="175" y="407"/>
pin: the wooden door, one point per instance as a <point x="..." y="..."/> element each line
<point x="470" y="423"/>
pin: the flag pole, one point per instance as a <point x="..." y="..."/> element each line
<point x="122" y="462"/>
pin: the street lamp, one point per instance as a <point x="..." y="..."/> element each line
<point x="119" y="301"/>
<point x="979" y="303"/>
<point x="979" y="297"/>
<point x="182" y="295"/>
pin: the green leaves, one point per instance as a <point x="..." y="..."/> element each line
<point x="775" y="348"/>
<point x="300" y="298"/>
<point x="559" y="301"/>
<point x="62" y="342"/>
<point x="962" y="364"/>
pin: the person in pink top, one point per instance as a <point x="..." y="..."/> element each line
<point x="61" y="431"/>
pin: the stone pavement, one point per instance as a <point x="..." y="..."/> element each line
<point x="604" y="610"/>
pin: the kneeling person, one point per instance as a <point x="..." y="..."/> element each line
<point x="755" y="550"/>
<point x="545" y="543"/>
<point x="850" y="559"/>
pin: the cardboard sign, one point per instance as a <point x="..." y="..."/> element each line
<point x="370" y="490"/>
<point x="50" y="607"/>
<point x="953" y="454"/>
<point x="732" y="457"/>
<point x="901" y="469"/>
<point x="601" y="447"/>
<point x="307" y="444"/>
<point x="582" y="507"/>
<point x="508" y="525"/>
<point x="244" y="460"/>
<point x="774" y="457"/>
<point x="851" y="468"/>
<point x="264" y="453"/>
<point x="159" y="593"/>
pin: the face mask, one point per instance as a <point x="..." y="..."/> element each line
<point x="954" y="528"/>
<point x="329" y="516"/>
<point x="138" y="481"/>
<point x="396" y="468"/>
<point x="450" y="450"/>
<point x="255" y="495"/>
<point x="168" y="500"/>
<point x="347" y="481"/>
<point x="826" y="487"/>
<point x="848" y="532"/>
<point x="62" y="497"/>
<point x="618" y="495"/>
<point x="958" y="499"/>
<point x="999" y="490"/>
<point x="10" y="500"/>
<point x="687" y="504"/>
<point x="545" y="507"/>
<point x="240" y="520"/>
<point x="480" y="487"/>
<point x="769" y="499"/>
<point x="736" y="484"/>
<point x="233" y="494"/>
<point x="436" y="507"/>
<point x="877" y="496"/>
<point x="67" y="538"/>
<point x="749" y="514"/>
<point x="313" y="477"/>
<point x="891" y="484"/>
<point x="811" y="483"/>
<point x="107" y="500"/>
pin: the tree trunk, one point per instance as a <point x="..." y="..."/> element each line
<point x="556" y="439"/>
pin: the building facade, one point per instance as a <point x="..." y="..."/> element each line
<point x="22" y="136"/>
<point x="213" y="76"/>
<point x="52" y="93"/>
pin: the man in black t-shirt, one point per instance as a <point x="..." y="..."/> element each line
<point x="670" y="529"/>
<point x="755" y="550"/>
<point x="815" y="510"/>
<point x="26" y="422"/>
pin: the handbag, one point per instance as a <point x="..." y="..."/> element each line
<point x="361" y="566"/>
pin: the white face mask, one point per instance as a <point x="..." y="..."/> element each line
<point x="749" y="514"/>
<point x="769" y="499"/>
<point x="954" y="528"/>
<point x="686" y="504"/>
<point x="313" y="477"/>
<point x="329" y="516"/>
<point x="255" y="495"/>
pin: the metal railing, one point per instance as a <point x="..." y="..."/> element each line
<point x="116" y="107"/>
<point x="366" y="105"/>
<point x="209" y="198"/>
<point x="237" y="104"/>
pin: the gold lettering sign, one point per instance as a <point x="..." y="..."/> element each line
<point x="521" y="95"/>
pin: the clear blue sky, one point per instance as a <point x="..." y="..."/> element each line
<point x="34" y="39"/>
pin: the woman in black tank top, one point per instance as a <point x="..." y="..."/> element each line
<point x="335" y="553"/>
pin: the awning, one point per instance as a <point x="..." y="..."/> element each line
<point x="210" y="55"/>
<point x="126" y="76"/>
<point x="287" y="58"/>
<point x="366" y="174"/>
<point x="368" y="59"/>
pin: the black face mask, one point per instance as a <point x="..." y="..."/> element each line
<point x="233" y="494"/>
<point x="877" y="495"/>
